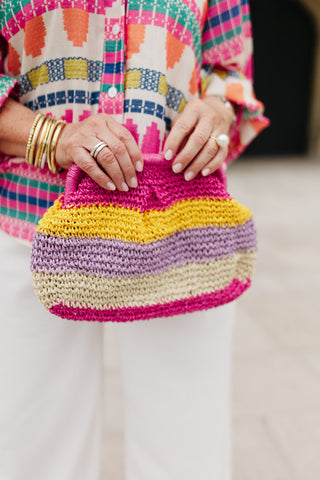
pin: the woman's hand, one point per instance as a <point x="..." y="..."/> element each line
<point x="116" y="164"/>
<point x="190" y="137"/>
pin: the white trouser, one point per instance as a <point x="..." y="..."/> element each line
<point x="176" y="375"/>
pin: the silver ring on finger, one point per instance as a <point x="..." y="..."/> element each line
<point x="97" y="148"/>
<point x="222" y="140"/>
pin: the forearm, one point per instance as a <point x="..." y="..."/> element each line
<point x="15" y="123"/>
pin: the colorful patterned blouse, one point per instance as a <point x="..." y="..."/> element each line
<point x="139" y="60"/>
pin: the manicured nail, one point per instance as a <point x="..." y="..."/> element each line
<point x="133" y="182"/>
<point x="188" y="176"/>
<point x="111" y="186"/>
<point x="124" y="187"/>
<point x="177" y="167"/>
<point x="169" y="154"/>
<point x="139" y="166"/>
<point x="205" y="172"/>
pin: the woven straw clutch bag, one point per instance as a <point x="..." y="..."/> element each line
<point x="164" y="248"/>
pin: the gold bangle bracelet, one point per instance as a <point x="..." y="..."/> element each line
<point x="31" y="140"/>
<point x="40" y="158"/>
<point x="34" y="143"/>
<point x="52" y="146"/>
<point x="50" y="140"/>
<point x="42" y="141"/>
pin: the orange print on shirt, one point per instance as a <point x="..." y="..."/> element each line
<point x="135" y="38"/>
<point x="34" y="36"/>
<point x="193" y="82"/>
<point x="256" y="125"/>
<point x="234" y="92"/>
<point x="174" y="50"/>
<point x="14" y="64"/>
<point x="76" y="24"/>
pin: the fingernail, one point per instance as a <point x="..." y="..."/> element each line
<point x="139" y="166"/>
<point x="111" y="186"/>
<point x="188" y="176"/>
<point x="177" y="167"/>
<point x="124" y="187"/>
<point x="133" y="182"/>
<point x="169" y="154"/>
<point x="206" y="172"/>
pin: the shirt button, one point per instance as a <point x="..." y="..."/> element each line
<point x="112" y="92"/>
<point x="116" y="29"/>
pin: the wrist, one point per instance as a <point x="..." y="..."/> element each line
<point x="42" y="142"/>
<point x="60" y="155"/>
<point x="226" y="103"/>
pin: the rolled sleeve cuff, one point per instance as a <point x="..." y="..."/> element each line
<point x="250" y="120"/>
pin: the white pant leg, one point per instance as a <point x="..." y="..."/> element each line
<point x="177" y="376"/>
<point x="50" y="382"/>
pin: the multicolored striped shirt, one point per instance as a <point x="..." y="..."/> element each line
<point x="138" y="60"/>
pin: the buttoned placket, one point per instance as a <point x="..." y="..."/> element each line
<point x="111" y="99"/>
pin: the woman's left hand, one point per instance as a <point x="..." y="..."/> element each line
<point x="191" y="139"/>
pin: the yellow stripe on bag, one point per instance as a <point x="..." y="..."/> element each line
<point x="142" y="227"/>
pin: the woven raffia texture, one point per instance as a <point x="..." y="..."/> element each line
<point x="140" y="61"/>
<point x="165" y="248"/>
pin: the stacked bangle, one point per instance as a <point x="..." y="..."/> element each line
<point x="33" y="136"/>
<point x="42" y="142"/>
<point x="52" y="142"/>
<point x="40" y="157"/>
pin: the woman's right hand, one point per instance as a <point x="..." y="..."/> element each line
<point x="116" y="164"/>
